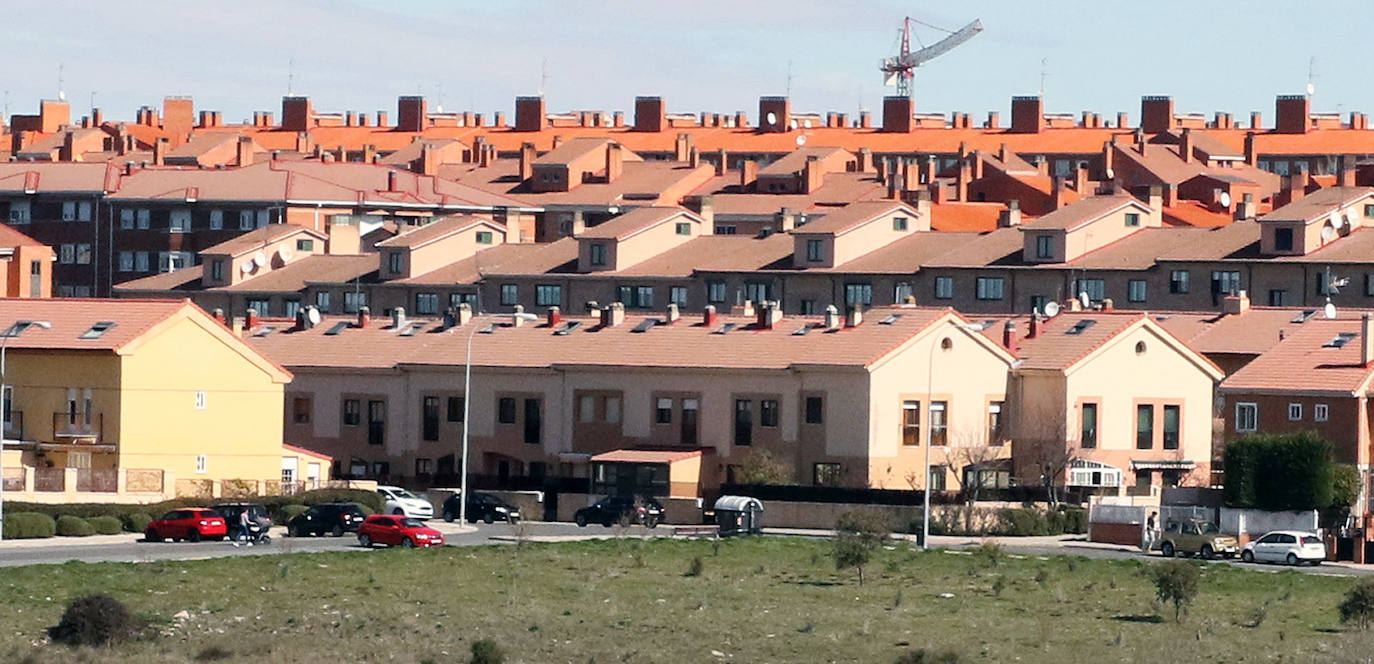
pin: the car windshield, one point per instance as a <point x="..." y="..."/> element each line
<point x="412" y="523"/>
<point x="402" y="493"/>
<point x="1207" y="528"/>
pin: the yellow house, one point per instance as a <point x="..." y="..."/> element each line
<point x="138" y="397"/>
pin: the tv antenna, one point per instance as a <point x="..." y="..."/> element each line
<point x="789" y="78"/>
<point x="900" y="70"/>
<point x="61" y="91"/>
<point x="1311" y="76"/>
<point x="1044" y="74"/>
<point x="543" y="76"/>
<point x="290" y="75"/>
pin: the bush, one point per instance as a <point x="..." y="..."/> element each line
<point x="1175" y="583"/>
<point x="287" y="512"/>
<point x="485" y="651"/>
<point x="695" y="568"/>
<point x="858" y="534"/>
<point x="1023" y="522"/>
<point x="71" y="526"/>
<point x="106" y="525"/>
<point x="137" y="522"/>
<point x="1074" y="519"/>
<point x="29" y="525"/>
<point x="923" y="656"/>
<point x="759" y="466"/>
<point x="94" y="620"/>
<point x="1358" y="605"/>
<point x="1289" y="471"/>
<point x="370" y="499"/>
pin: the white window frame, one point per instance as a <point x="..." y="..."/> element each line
<point x="68" y="210"/>
<point x="202" y="463"/>
<point x="200" y="399"/>
<point x="1321" y="412"/>
<point x="1294" y="412"/>
<point x="143" y="218"/>
<point x="66" y="254"/>
<point x="1253" y="409"/>
<point x="216" y="220"/>
<point x="126" y="219"/>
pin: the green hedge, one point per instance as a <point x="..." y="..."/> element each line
<point x="106" y="525"/>
<point x="1016" y="522"/>
<point x="74" y="526"/>
<point x="137" y="522"/>
<point x="29" y="525"/>
<point x="131" y="515"/>
<point x="1281" y="471"/>
<point x="288" y="512"/>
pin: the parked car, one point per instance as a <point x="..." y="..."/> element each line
<point x="231" y="511"/>
<point x="1286" y="546"/>
<point x="400" y="501"/>
<point x="333" y="518"/>
<point x="621" y="509"/>
<point x="393" y="530"/>
<point x="191" y="523"/>
<point x="1196" y="537"/>
<point x="483" y="506"/>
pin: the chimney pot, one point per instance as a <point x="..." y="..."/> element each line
<point x="464" y="313"/>
<point x="854" y="317"/>
<point x="673" y="314"/>
<point x="709" y="316"/>
<point x="1236" y="304"/>
<point x="832" y="317"/>
<point x="364" y="316"/>
<point x="1009" y="340"/>
<point x="555" y="316"/>
<point x="398" y="318"/>
<point x="251" y="318"/>
<point x="517" y="317"/>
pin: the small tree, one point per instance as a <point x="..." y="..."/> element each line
<point x="1175" y="583"/>
<point x="759" y="466"/>
<point x="485" y="651"/>
<point x="1345" y="490"/>
<point x="1358" y="605"/>
<point x="858" y="534"/>
<point x="94" y="620"/>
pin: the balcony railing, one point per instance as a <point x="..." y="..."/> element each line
<point x="77" y="425"/>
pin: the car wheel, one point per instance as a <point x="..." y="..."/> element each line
<point x="1167" y="549"/>
<point x="398" y="512"/>
<point x="365" y="541"/>
<point x="1247" y="556"/>
<point x="608" y="523"/>
<point x="407" y="543"/>
<point x="1206" y="553"/>
<point x="651" y="522"/>
<point x="581" y="520"/>
<point x="292" y="532"/>
<point x="488" y="518"/>
<point x="338" y="531"/>
<point x="448" y="516"/>
<point x="193" y="536"/>
<point x="1292" y="559"/>
<point x="152" y="536"/>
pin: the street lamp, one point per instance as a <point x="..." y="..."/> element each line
<point x="5" y="406"/>
<point x="929" y="422"/>
<point x="467" y="404"/>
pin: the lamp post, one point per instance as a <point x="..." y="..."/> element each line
<point x="5" y="406"/>
<point x="467" y="405"/>
<point x="928" y="427"/>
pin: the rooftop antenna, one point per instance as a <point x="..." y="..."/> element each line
<point x="290" y="76"/>
<point x="439" y="93"/>
<point x="789" y="78"/>
<point x="61" y="92"/>
<point x="1044" y="74"/>
<point x="543" y="76"/>
<point x="1311" y="76"/>
<point x="7" y="103"/>
<point x="900" y="70"/>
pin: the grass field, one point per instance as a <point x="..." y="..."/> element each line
<point x="627" y="600"/>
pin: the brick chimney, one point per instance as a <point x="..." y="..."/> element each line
<point x="1123" y="119"/>
<point x="897" y="111"/>
<point x="529" y="113"/>
<point x="709" y="316"/>
<point x="250" y="318"/>
<point x="1251" y="155"/>
<point x="1246" y="208"/>
<point x="245" y="151"/>
<point x="1035" y="323"/>
<point x="748" y="173"/>
<point x="1366" y="339"/>
<point x="429" y="160"/>
<point x="1011" y="216"/>
<point x="1156" y="114"/>
<point x="650" y="114"/>
<point x="854" y="316"/>
<point x="1185" y="146"/>
<point x="769" y="315"/>
<point x="1256" y="120"/>
<point x="994" y="120"/>
<point x="722" y="162"/>
<point x="863" y="163"/>
<point x="1236" y="304"/>
<point x="526" y="161"/>
<point x="1292" y="114"/>
<point x="615" y="161"/>
<point x="741" y="120"/>
<point x="412" y="113"/>
<point x="364" y="317"/>
<point x="1009" y="338"/>
<point x="613" y="315"/>
<point x="160" y="151"/>
<point x="865" y="120"/>
<point x="780" y="110"/>
<point x="682" y="147"/>
<point x="812" y="174"/>
<point x="1027" y="114"/>
<point x="296" y="114"/>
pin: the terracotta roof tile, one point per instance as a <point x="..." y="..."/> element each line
<point x="633" y="222"/>
<point x="438" y="229"/>
<point x="1307" y="361"/>
<point x="839" y="221"/>
<point x="259" y="238"/>
<point x="71" y="318"/>
<point x="1083" y="211"/>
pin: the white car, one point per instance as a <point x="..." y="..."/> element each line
<point x="400" y="501"/>
<point x="1285" y="546"/>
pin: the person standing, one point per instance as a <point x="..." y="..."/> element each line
<point x="1151" y="531"/>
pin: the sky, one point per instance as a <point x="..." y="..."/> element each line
<point x="703" y="55"/>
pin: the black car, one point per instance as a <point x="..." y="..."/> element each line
<point x="231" y="511"/>
<point x="333" y="518"/>
<point x="483" y="506"/>
<point x="621" y="509"/>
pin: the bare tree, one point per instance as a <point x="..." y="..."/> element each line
<point x="972" y="459"/>
<point x="1044" y="442"/>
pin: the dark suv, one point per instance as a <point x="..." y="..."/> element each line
<point x="230" y="511"/>
<point x="483" y="506"/>
<point x="623" y="509"/>
<point x="333" y="518"/>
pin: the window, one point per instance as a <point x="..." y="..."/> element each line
<point x="322" y="301"/>
<point x="1283" y="239"/>
<point x="1132" y="219"/>
<point x="1088" y="437"/>
<point x="546" y="295"/>
<point x="171" y="261"/>
<point x="597" y="254"/>
<point x="678" y="295"/>
<point x="484" y="237"/>
<point x="1247" y="417"/>
<point x="612" y="405"/>
<point x="995" y="423"/>
<point x="216" y="268"/>
<point x="376" y="423"/>
<point x="937" y="477"/>
<point x="1294" y="412"/>
<point x="715" y="291"/>
<point x="1178" y="281"/>
<point x="683" y="228"/>
<point x="21" y="212"/>
<point x="758" y="291"/>
<point x="768" y="413"/>
<point x="663" y="411"/>
<point x="1136" y="290"/>
<point x="899" y="223"/>
<point x="989" y="288"/>
<point x="505" y="410"/>
<point x="202" y="463"/>
<point x="83" y="211"/>
<point x="351" y="412"/>
<point x="126" y="261"/>
<point x="939" y="423"/>
<point x="586" y="408"/>
<point x="726" y="230"/>
<point x="1320" y="412"/>
<point x="141" y="262"/>
<point x="510" y="294"/>
<point x="429" y="418"/>
<point x="66" y="254"/>
<point x="807" y="307"/>
<point x="179" y="221"/>
<point x="1044" y="246"/>
<point x="858" y="294"/>
<point x="395" y="263"/>
<point x="944" y="288"/>
<point x="825" y="474"/>
<point x="424" y="467"/>
<point x="260" y="305"/>
<point x="216" y="220"/>
<point x="144" y="218"/>
<point x="815" y="410"/>
<point x="744" y="422"/>
<point x="68" y="210"/>
<point x="1144" y="427"/>
<point x="1095" y="288"/>
<point x="426" y="303"/>
<point x="1171" y="427"/>
<point x="126" y="218"/>
<point x="455" y="409"/>
<point x="245" y="220"/>
<point x="911" y="423"/>
<point x="815" y="250"/>
<point x="534" y="419"/>
<point x="1369" y="210"/>
<point x="1277" y="296"/>
<point x="1225" y="282"/>
<point x="644" y="297"/>
<point x="261" y="218"/>
<point x="305" y="245"/>
<point x="200" y="400"/>
<point x="300" y="410"/>
<point x="457" y="300"/>
<point x="900" y="292"/>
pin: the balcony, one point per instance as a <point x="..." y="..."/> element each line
<point x="77" y="427"/>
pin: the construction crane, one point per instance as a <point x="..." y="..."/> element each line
<point x="900" y="69"/>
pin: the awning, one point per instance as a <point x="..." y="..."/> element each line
<point x="645" y="456"/>
<point x="1140" y="464"/>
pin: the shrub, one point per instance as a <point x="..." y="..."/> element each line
<point x="923" y="656"/>
<point x="1358" y="605"/>
<point x="137" y="522"/>
<point x="287" y="512"/>
<point x="858" y="534"/>
<point x="370" y="499"/>
<point x="1022" y="522"/>
<point x="29" y="525"/>
<point x="94" y="620"/>
<point x="106" y="525"/>
<point x="71" y="526"/>
<point x="759" y="466"/>
<point x="1175" y="583"/>
<point x="1288" y="471"/>
<point x="485" y="651"/>
<point x="1074" y="519"/>
<point x="695" y="568"/>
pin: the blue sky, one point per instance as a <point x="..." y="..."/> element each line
<point x="700" y="55"/>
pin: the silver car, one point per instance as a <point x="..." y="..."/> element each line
<point x="1293" y="547"/>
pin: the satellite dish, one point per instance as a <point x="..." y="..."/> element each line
<point x="772" y="118"/>
<point x="1328" y="232"/>
<point x="801" y="140"/>
<point x="1329" y="311"/>
<point x="793" y="124"/>
<point x="284" y="254"/>
<point x="246" y="268"/>
<point x="1224" y="199"/>
<point x="1110" y="173"/>
<point x="806" y="123"/>
<point x="1311" y="89"/>
<point x="259" y="260"/>
<point x="1084" y="300"/>
<point x="1051" y="309"/>
<point x="313" y="315"/>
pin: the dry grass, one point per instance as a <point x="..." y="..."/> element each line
<point x="758" y="600"/>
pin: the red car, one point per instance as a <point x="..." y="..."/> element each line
<point x="394" y="530"/>
<point x="191" y="524"/>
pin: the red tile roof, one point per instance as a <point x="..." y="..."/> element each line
<point x="633" y="222"/>
<point x="1308" y="360"/>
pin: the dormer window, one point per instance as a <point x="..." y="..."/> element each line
<point x="1283" y="239"/>
<point x="815" y="250"/>
<point x="217" y="270"/>
<point x="597" y="254"/>
<point x="394" y="262"/>
<point x="483" y="237"/>
<point x="899" y="223"/>
<point x="305" y="245"/>
<point x="1044" y="246"/>
<point x="1132" y="219"/>
<point x="684" y="228"/>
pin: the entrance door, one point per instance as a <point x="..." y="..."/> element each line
<point x="689" y="422"/>
<point x="79" y="460"/>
